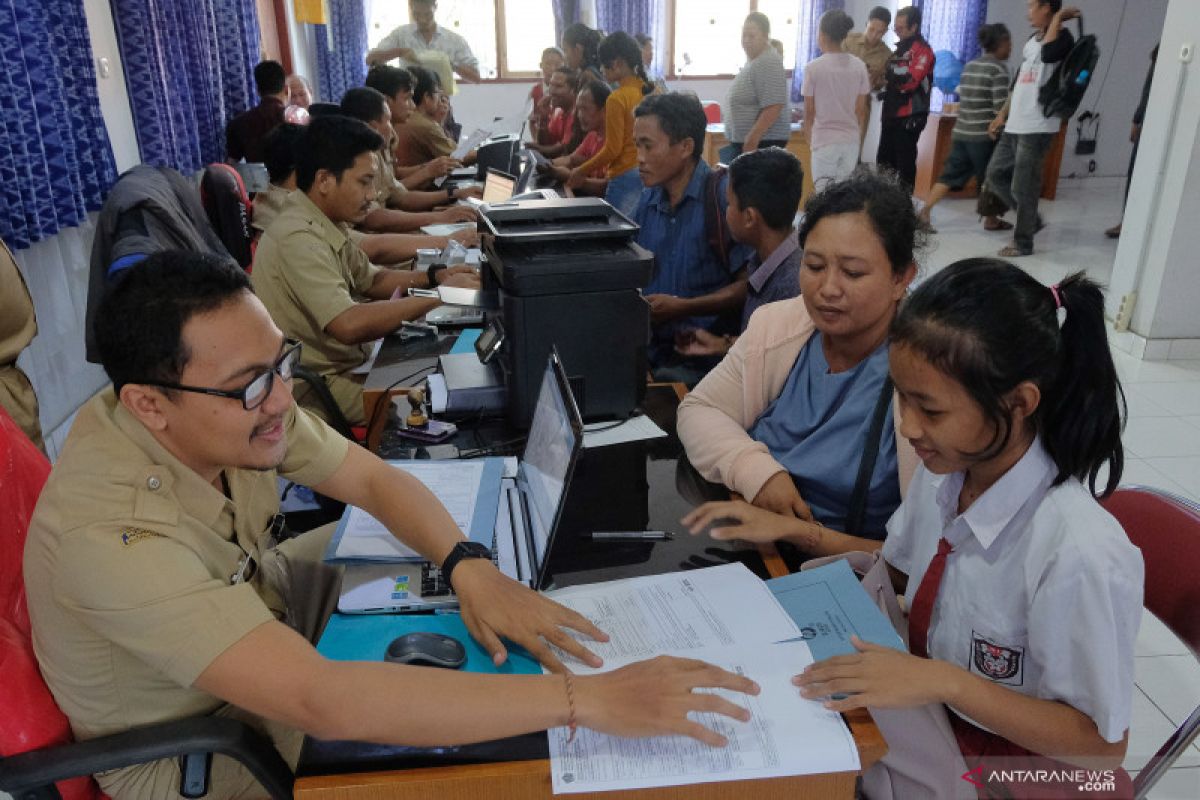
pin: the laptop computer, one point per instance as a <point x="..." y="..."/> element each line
<point x="498" y="186"/>
<point x="527" y="517"/>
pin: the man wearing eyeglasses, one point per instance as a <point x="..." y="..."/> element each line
<point x="157" y="589"/>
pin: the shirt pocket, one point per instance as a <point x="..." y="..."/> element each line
<point x="999" y="653"/>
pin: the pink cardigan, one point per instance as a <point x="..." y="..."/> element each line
<point x="715" y="416"/>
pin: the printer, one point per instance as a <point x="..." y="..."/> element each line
<point x="568" y="273"/>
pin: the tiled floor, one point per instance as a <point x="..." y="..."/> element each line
<point x="1162" y="436"/>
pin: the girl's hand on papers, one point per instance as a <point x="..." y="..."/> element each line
<point x="877" y="676"/>
<point x="494" y="606"/>
<point x="737" y="519"/>
<point x="653" y="698"/>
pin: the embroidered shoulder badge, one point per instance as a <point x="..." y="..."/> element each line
<point x="134" y="535"/>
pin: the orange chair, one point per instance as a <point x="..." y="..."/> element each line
<point x="1167" y="530"/>
<point x="37" y="757"/>
<point x="712" y="111"/>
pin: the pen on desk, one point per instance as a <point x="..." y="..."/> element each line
<point x="631" y="536"/>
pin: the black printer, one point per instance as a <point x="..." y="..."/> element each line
<point x="568" y="273"/>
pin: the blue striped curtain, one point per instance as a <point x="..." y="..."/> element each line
<point x="55" y="159"/>
<point x="342" y="48"/>
<point x="189" y="68"/>
<point x="566" y="14"/>
<point x="809" y="19"/>
<point x="634" y="17"/>
<point x="953" y="25"/>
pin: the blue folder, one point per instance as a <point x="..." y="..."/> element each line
<point x="365" y="637"/>
<point x="466" y="341"/>
<point x="829" y="605"/>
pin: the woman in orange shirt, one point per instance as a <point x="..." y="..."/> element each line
<point x="621" y="59"/>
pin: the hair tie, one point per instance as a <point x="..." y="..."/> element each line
<point x="1060" y="308"/>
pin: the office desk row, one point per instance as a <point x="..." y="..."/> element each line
<point x="656" y="487"/>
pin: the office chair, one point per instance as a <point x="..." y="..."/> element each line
<point x="333" y="412"/>
<point x="1167" y="530"/>
<point x="37" y="757"/>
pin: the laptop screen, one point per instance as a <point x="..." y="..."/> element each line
<point x="549" y="454"/>
<point x="498" y="186"/>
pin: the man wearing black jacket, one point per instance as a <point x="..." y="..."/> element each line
<point x="906" y="97"/>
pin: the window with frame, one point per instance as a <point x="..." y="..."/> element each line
<point x="507" y="36"/>
<point x="708" y="34"/>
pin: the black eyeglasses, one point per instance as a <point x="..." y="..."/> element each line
<point x="254" y="393"/>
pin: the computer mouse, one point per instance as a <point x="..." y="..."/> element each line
<point x="423" y="649"/>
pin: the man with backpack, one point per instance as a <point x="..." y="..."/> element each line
<point x="1015" y="172"/>
<point x="699" y="281"/>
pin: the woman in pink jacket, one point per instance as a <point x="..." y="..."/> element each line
<point x="799" y="417"/>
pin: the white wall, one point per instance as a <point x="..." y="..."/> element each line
<point x="1126" y="31"/>
<point x="110" y="82"/>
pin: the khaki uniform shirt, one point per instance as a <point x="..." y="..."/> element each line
<point x="307" y="272"/>
<point x="388" y="190"/>
<point x="267" y="206"/>
<point x="18" y="326"/>
<point x="130" y="561"/>
<point x="420" y="139"/>
<point x="874" y="56"/>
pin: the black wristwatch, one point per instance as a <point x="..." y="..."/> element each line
<point x="463" y="550"/>
<point x="451" y="193"/>
<point x="431" y="274"/>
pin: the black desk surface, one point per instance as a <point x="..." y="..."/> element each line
<point x="637" y="486"/>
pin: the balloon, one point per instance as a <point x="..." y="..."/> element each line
<point x="947" y="71"/>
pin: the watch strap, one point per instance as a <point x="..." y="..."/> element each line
<point x="459" y="552"/>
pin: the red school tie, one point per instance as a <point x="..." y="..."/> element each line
<point x="922" y="606"/>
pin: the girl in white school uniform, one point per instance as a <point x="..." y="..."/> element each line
<point x="1024" y="595"/>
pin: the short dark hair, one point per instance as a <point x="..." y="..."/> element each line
<point x="770" y="180"/>
<point x="364" y="103"/>
<point x="761" y="20"/>
<point x="572" y="77"/>
<point x="389" y="80"/>
<point x="425" y="82"/>
<point x="836" y="25"/>
<point x="279" y="151"/>
<point x="139" y="325"/>
<point x="324" y="110"/>
<point x="912" y="16"/>
<point x="882" y="196"/>
<point x="332" y="143"/>
<point x="642" y="39"/>
<point x="680" y="116"/>
<point x="269" y="78"/>
<point x="598" y="90"/>
<point x="992" y="36"/>
<point x="1055" y="5"/>
<point x="880" y="13"/>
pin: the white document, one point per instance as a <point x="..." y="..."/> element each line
<point x="786" y="734"/>
<point x="634" y="429"/>
<point x="456" y="484"/>
<point x="470" y="143"/>
<point x="447" y="228"/>
<point x="677" y="612"/>
<point x="365" y="367"/>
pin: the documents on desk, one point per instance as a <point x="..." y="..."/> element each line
<point x="634" y="429"/>
<point x="468" y="488"/>
<point x="724" y="615"/>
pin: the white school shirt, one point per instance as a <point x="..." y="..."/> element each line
<point x="1025" y="112"/>
<point x="1042" y="592"/>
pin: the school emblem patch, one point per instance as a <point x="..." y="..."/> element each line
<point x="997" y="662"/>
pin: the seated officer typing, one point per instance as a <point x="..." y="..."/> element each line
<point x="314" y="280"/>
<point x="157" y="590"/>
<point x="692" y="286"/>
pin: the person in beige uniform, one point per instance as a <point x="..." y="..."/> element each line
<point x="18" y="326"/>
<point x="317" y="284"/>
<point x="870" y="47"/>
<point x="157" y="590"/>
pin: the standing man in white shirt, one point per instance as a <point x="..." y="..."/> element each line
<point x="423" y="34"/>
<point x="1015" y="171"/>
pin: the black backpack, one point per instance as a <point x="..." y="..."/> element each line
<point x="1061" y="95"/>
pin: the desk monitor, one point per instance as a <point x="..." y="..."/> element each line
<point x="498" y="186"/>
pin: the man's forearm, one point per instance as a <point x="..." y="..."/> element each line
<point x="390" y="220"/>
<point x="728" y="298"/>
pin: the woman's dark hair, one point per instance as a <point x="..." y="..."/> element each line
<point x="365" y="104"/>
<point x="332" y="143"/>
<point x="279" y="151"/>
<point x="770" y="180"/>
<point x="642" y="39"/>
<point x="598" y="90"/>
<point x="389" y="80"/>
<point x="991" y="326"/>
<point x="1055" y="5"/>
<point x="761" y="20"/>
<point x="680" y="116"/>
<point x="992" y="36"/>
<point x="589" y="39"/>
<point x="139" y="325"/>
<point x="425" y="83"/>
<point x="621" y="45"/>
<point x="836" y="25"/>
<point x="885" y="200"/>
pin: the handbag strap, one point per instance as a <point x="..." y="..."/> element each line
<point x="857" y="511"/>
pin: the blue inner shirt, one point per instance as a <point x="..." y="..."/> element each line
<point x="817" y="429"/>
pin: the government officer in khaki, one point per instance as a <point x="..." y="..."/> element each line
<point x="157" y="590"/>
<point x="18" y="326"/>
<point x="317" y="285"/>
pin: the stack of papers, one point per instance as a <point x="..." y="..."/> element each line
<point x="724" y="615"/>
